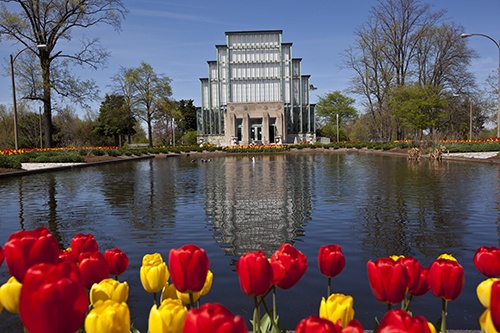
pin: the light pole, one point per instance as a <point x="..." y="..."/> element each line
<point x="498" y="70"/>
<point x="14" y="102"/>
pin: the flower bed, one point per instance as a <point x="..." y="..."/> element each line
<point x="78" y="288"/>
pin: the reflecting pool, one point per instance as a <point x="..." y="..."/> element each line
<point x="372" y="206"/>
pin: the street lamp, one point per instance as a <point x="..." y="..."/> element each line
<point x="498" y="69"/>
<point x="14" y="102"/>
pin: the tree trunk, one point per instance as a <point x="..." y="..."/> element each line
<point x="47" y="108"/>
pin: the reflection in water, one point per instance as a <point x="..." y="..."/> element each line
<point x="411" y="210"/>
<point x="259" y="204"/>
<point x="21" y="209"/>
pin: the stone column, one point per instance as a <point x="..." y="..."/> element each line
<point x="245" y="131"/>
<point x="265" y="128"/>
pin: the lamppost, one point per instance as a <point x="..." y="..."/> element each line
<point x="14" y="102"/>
<point x="497" y="44"/>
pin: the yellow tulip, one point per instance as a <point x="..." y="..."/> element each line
<point x="168" y="318"/>
<point x="109" y="289"/>
<point x="184" y="297"/>
<point x="338" y="306"/>
<point x="483" y="291"/>
<point x="154" y="273"/>
<point x="486" y="323"/>
<point x="168" y="291"/>
<point x="10" y="292"/>
<point x="396" y="257"/>
<point x="208" y="283"/>
<point x="108" y="317"/>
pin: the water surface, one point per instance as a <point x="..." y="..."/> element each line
<point x="372" y="206"/>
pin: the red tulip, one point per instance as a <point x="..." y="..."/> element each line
<point x="66" y="255"/>
<point x="495" y="304"/>
<point x="27" y="248"/>
<point x="53" y="299"/>
<point x="331" y="260"/>
<point x="2" y="256"/>
<point x="117" y="261"/>
<point x="354" y="326"/>
<point x="188" y="268"/>
<point x="83" y="243"/>
<point x="93" y="268"/>
<point x="213" y="318"/>
<point x="402" y="322"/>
<point x="487" y="261"/>
<point x="422" y="286"/>
<point x="417" y="276"/>
<point x="289" y="265"/>
<point x="446" y="277"/>
<point x="388" y="280"/>
<point x="255" y="273"/>
<point x="315" y="324"/>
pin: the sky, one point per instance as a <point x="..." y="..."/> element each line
<point x="177" y="38"/>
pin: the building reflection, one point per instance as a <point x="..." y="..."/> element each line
<point x="258" y="203"/>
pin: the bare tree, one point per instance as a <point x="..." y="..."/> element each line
<point x="404" y="42"/>
<point x="145" y="92"/>
<point x="40" y="25"/>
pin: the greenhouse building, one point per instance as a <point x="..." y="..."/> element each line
<point x="255" y="93"/>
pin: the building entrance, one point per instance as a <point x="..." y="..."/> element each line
<point x="256" y="133"/>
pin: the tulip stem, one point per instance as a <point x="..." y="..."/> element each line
<point x="256" y="319"/>
<point x="274" y="306"/>
<point x="329" y="289"/>
<point x="443" y="316"/>
<point x="191" y="300"/>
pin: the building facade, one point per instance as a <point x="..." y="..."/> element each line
<point x="255" y="93"/>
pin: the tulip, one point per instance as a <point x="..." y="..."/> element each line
<point x="168" y="291"/>
<point x="315" y="324"/>
<point x="53" y="299"/>
<point x="421" y="287"/>
<point x="255" y="273"/>
<point x="117" y="261"/>
<point x="108" y="316"/>
<point x="168" y="318"/>
<point x="109" y="289"/>
<point x="188" y="267"/>
<point x="93" y="268"/>
<point x="83" y="243"/>
<point x="66" y="255"/>
<point x="354" y="326"/>
<point x="401" y="321"/>
<point x="487" y="261"/>
<point x="337" y="307"/>
<point x="388" y="280"/>
<point x="24" y="249"/>
<point x="486" y="322"/>
<point x="331" y="260"/>
<point x="154" y="273"/>
<point x="483" y="291"/>
<point x="495" y="304"/>
<point x="10" y="293"/>
<point x="446" y="280"/>
<point x="446" y="277"/>
<point x="289" y="265"/>
<point x="213" y="318"/>
<point x="186" y="298"/>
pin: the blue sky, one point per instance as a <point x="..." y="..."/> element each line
<point x="177" y="38"/>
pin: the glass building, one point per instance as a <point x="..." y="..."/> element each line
<point x="255" y="93"/>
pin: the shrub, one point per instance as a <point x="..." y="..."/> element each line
<point x="9" y="161"/>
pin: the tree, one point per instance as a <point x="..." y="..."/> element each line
<point x="40" y="25"/>
<point x="404" y="42"/>
<point x="115" y="119"/>
<point x="333" y="104"/>
<point x="146" y="91"/>
<point x="188" y="116"/>
<point x="418" y="107"/>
